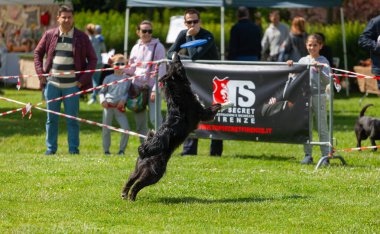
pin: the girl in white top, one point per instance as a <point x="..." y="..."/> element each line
<point x="321" y="75"/>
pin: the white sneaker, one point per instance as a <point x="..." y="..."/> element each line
<point x="91" y="101"/>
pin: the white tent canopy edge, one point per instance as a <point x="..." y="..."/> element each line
<point x="232" y="3"/>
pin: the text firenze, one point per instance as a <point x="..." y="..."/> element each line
<point x="237" y="115"/>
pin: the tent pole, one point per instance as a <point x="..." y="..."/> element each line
<point x="344" y="49"/>
<point x="126" y="32"/>
<point x="222" y="49"/>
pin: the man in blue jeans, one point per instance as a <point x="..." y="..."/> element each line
<point x="67" y="49"/>
<point x="370" y="41"/>
<point x="207" y="51"/>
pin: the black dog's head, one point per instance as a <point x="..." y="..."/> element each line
<point x="175" y="72"/>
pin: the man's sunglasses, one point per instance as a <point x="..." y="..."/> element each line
<point x="190" y="22"/>
<point x="146" y="31"/>
<point x="119" y="64"/>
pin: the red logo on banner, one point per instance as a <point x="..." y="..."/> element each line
<point x="220" y="90"/>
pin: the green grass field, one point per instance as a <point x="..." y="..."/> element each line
<point x="253" y="188"/>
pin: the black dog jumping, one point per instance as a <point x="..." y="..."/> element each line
<point x="184" y="114"/>
<point x="367" y="127"/>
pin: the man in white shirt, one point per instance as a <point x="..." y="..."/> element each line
<point x="274" y="37"/>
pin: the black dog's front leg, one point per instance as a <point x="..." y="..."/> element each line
<point x="209" y="113"/>
<point x="373" y="143"/>
<point x="358" y="142"/>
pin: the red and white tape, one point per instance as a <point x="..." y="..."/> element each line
<point x="354" y="74"/>
<point x="76" y="118"/>
<point x="79" y="93"/>
<point x="359" y="148"/>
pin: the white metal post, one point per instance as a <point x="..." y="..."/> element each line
<point x="126" y="32"/>
<point x="222" y="48"/>
<point x="344" y="49"/>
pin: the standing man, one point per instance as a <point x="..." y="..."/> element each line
<point x="67" y="49"/>
<point x="245" y="38"/>
<point x="206" y="51"/>
<point x="274" y="38"/>
<point x="370" y="40"/>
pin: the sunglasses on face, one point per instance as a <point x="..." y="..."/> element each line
<point x="146" y="31"/>
<point x="119" y="64"/>
<point x="190" y="22"/>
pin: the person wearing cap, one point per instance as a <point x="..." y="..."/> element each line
<point x="98" y="33"/>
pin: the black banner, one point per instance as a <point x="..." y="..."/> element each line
<point x="271" y="102"/>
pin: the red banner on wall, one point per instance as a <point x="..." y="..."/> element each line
<point x="271" y="102"/>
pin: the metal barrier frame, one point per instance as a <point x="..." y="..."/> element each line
<point x="331" y="124"/>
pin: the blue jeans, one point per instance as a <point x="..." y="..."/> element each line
<point x="71" y="106"/>
<point x="247" y="58"/>
<point x="96" y="81"/>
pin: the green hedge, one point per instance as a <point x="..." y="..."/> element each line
<point x="113" y="23"/>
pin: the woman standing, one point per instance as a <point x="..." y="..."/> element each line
<point x="146" y="49"/>
<point x="294" y="47"/>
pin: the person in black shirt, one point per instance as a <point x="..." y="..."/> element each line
<point x="245" y="38"/>
<point x="207" y="51"/>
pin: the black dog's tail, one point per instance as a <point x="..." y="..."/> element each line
<point x="364" y="109"/>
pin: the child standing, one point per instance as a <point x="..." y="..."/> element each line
<point x="113" y="100"/>
<point x="314" y="44"/>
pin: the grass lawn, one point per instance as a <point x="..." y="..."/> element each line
<point x="253" y="188"/>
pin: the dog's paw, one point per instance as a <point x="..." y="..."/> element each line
<point x="124" y="196"/>
<point x="151" y="134"/>
<point x="132" y="197"/>
<point x="226" y="105"/>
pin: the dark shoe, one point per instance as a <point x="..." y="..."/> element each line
<point x="73" y="152"/>
<point x="49" y="152"/>
<point x="216" y="155"/>
<point x="120" y="152"/>
<point x="188" y="154"/>
<point x="107" y="153"/>
<point x="307" y="160"/>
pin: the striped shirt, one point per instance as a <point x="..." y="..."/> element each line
<point x="63" y="61"/>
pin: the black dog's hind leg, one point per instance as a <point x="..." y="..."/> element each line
<point x="148" y="176"/>
<point x="131" y="180"/>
